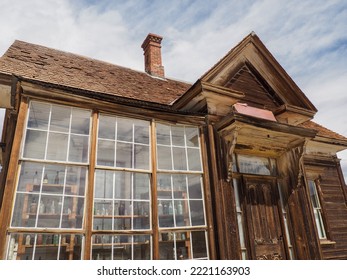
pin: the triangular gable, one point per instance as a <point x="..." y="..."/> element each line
<point x="250" y="70"/>
<point x="257" y="92"/>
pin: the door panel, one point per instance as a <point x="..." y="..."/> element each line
<point x="262" y="218"/>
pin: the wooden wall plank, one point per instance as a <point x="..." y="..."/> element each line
<point x="334" y="203"/>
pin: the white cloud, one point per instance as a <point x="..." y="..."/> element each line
<point x="307" y="37"/>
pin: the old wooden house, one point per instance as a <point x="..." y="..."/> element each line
<point x="104" y="162"/>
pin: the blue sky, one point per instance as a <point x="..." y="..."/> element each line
<point x="308" y="38"/>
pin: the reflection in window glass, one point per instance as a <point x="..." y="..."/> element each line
<point x="107" y="127"/>
<point x="80" y="121"/>
<point x="127" y="143"/>
<point x="38" y="115"/>
<point x="179" y="158"/>
<point x="57" y="146"/>
<point x="178" y="148"/>
<point x="35" y="144"/>
<point x="256" y="165"/>
<point x="163" y="134"/>
<point x="60" y="119"/>
<point x="64" y="126"/>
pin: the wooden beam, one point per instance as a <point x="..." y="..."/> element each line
<point x="88" y="213"/>
<point x="208" y="197"/>
<point x="10" y="185"/>
<point x="217" y="194"/>
<point x="155" y="219"/>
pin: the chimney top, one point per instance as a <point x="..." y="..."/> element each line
<point x="152" y="52"/>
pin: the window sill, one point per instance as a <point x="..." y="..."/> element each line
<point x="326" y="242"/>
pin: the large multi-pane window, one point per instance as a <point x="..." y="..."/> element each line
<point x="51" y="188"/>
<point x="122" y="192"/>
<point x="50" y="217"/>
<point x="180" y="204"/>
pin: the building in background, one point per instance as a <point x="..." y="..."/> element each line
<point x="104" y="162"/>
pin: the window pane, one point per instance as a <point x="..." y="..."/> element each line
<point x="182" y="213"/>
<point x="107" y="127"/>
<point x="141" y="186"/>
<point x="25" y="210"/>
<point x="123" y="185"/>
<point x="30" y="177"/>
<point x="179" y="186"/>
<point x="165" y="212"/>
<point x="124" y="155"/>
<point x="141" y="215"/>
<point x="80" y="121"/>
<point x="313" y="194"/>
<point x="167" y="249"/>
<point x="163" y="134"/>
<point x="177" y="135"/>
<point x="141" y="132"/>
<point x="35" y="144"/>
<point x="192" y="136"/>
<point x="142" y="247"/>
<point x="101" y="247"/>
<point x="102" y="214"/>
<point x="57" y="146"/>
<point x="141" y="160"/>
<point x="72" y="215"/>
<point x="179" y="157"/>
<point x="254" y="165"/>
<point x="60" y="119"/>
<point x="50" y="216"/>
<point x="164" y="158"/>
<point x="197" y="213"/>
<point x="164" y="186"/>
<point x="38" y="115"/>
<point x="124" y="130"/>
<point x="194" y="161"/>
<point x="123" y="250"/>
<point x="105" y="153"/>
<point x="199" y="244"/>
<point x="76" y="180"/>
<point x="78" y="151"/>
<point x="182" y="246"/>
<point x="195" y="189"/>
<point x="103" y="187"/>
<point x="53" y="179"/>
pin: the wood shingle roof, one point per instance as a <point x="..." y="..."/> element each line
<point x="44" y="64"/>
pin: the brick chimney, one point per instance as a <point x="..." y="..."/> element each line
<point x="152" y="51"/>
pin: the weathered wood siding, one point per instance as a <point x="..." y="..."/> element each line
<point x="333" y="202"/>
<point x="257" y="94"/>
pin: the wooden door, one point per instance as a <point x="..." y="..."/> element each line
<point x="263" y="219"/>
